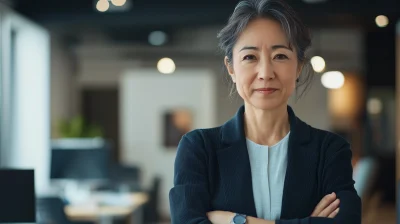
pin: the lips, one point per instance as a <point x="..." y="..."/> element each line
<point x="266" y="91"/>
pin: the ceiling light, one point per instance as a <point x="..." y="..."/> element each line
<point x="318" y="63"/>
<point x="157" y="38"/>
<point x="166" y="66"/>
<point x="332" y="80"/>
<point x="374" y="106"/>
<point x="102" y="5"/>
<point x="118" y="2"/>
<point x="382" y="21"/>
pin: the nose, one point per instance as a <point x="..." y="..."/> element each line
<point x="266" y="71"/>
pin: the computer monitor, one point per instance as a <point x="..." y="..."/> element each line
<point x="17" y="194"/>
<point x="81" y="162"/>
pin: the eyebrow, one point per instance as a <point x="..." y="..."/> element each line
<point x="249" y="48"/>
<point x="274" y="47"/>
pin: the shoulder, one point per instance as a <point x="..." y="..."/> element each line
<point x="200" y="134"/>
<point x="330" y="144"/>
<point x="194" y="148"/>
<point x="315" y="136"/>
<point x="327" y="138"/>
<point x="201" y="138"/>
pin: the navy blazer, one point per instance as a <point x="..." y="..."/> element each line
<point x="212" y="172"/>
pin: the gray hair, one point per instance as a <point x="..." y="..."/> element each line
<point x="296" y="32"/>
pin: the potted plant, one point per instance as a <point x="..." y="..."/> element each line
<point x="77" y="127"/>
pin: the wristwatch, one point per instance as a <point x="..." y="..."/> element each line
<point x="239" y="219"/>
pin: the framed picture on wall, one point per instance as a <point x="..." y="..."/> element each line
<point x="176" y="123"/>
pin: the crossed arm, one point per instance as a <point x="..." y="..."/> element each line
<point x="328" y="207"/>
<point x="190" y="199"/>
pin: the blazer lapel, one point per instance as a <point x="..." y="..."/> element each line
<point x="300" y="170"/>
<point x="234" y="167"/>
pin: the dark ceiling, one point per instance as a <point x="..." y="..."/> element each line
<point x="76" y="16"/>
<point x="80" y="14"/>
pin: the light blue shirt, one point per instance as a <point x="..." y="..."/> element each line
<point x="268" y="170"/>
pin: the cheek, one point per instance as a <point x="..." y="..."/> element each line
<point x="288" y="79"/>
<point x="244" y="75"/>
<point x="290" y="85"/>
<point x="290" y="88"/>
<point x="244" y="80"/>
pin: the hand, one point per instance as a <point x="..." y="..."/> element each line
<point x="220" y="217"/>
<point x="328" y="207"/>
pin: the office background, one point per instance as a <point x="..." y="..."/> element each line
<point x="93" y="79"/>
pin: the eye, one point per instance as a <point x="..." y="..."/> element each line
<point x="249" y="57"/>
<point x="281" y="57"/>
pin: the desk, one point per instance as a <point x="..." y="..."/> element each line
<point x="105" y="213"/>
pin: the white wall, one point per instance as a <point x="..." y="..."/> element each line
<point x="145" y="94"/>
<point x="103" y="72"/>
<point x="29" y="127"/>
<point x="62" y="83"/>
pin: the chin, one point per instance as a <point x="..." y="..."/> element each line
<point x="270" y="104"/>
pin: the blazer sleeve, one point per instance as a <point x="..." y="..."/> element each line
<point x="338" y="178"/>
<point x="190" y="198"/>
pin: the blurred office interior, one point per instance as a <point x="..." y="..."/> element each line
<point x="96" y="94"/>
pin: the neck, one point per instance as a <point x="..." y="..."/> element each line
<point x="266" y="127"/>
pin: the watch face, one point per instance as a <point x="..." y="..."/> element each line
<point x="239" y="219"/>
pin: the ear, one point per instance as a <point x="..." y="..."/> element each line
<point x="229" y="68"/>
<point x="299" y="69"/>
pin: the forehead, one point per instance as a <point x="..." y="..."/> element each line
<point x="262" y="32"/>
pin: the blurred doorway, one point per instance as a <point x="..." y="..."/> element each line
<point x="101" y="107"/>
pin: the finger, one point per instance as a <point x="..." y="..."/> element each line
<point x="325" y="202"/>
<point x="331" y="208"/>
<point x="334" y="213"/>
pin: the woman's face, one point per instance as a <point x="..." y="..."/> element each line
<point x="264" y="67"/>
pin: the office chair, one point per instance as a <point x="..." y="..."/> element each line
<point x="122" y="178"/>
<point x="50" y="210"/>
<point x="151" y="214"/>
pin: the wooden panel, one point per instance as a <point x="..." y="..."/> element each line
<point x="91" y="212"/>
<point x="398" y="101"/>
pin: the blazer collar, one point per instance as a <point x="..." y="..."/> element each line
<point x="235" y="169"/>
<point x="233" y="130"/>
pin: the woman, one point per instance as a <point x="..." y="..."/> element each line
<point x="265" y="165"/>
